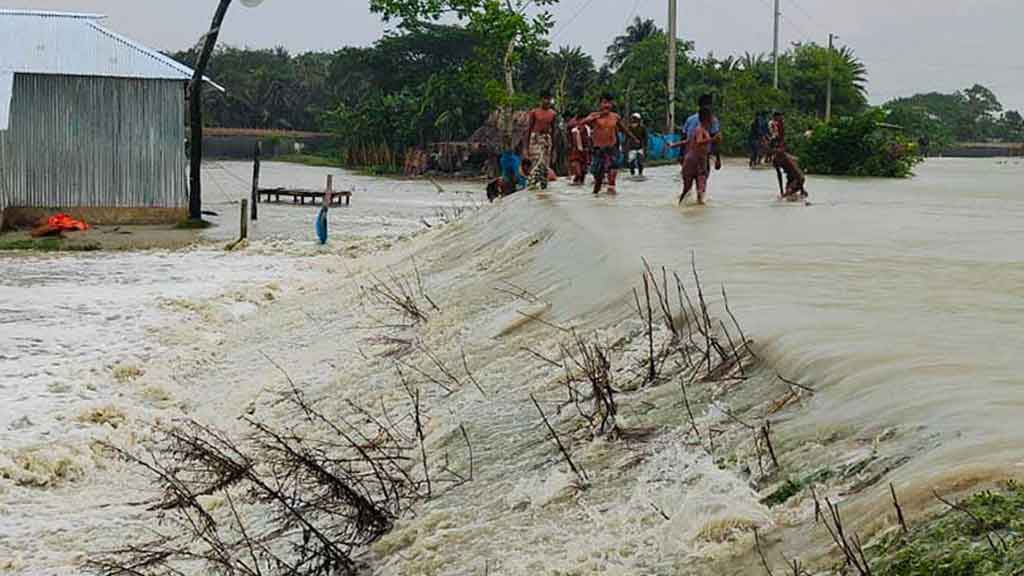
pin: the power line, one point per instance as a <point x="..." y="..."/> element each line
<point x="806" y="14"/>
<point x="572" y="19"/>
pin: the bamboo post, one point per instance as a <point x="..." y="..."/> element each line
<point x="329" y="192"/>
<point x="243" y="230"/>
<point x="256" y="182"/>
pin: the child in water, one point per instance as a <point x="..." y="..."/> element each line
<point x="794" y="189"/>
<point x="695" y="161"/>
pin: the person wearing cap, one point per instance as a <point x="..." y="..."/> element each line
<point x="637" y="149"/>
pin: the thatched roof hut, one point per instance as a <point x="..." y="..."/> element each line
<point x="490" y="134"/>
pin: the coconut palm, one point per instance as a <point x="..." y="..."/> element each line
<point x="636" y="33"/>
<point x="855" y="69"/>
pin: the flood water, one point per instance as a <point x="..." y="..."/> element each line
<point x="900" y="302"/>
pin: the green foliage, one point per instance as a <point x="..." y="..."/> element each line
<point x="955" y="544"/>
<point x="804" y="72"/>
<point x="265" y="88"/>
<point x="622" y="46"/>
<point x="49" y="244"/>
<point x="639" y="83"/>
<point x="971" y="115"/>
<point x="792" y="487"/>
<point x="429" y="82"/>
<point x="858" y="146"/>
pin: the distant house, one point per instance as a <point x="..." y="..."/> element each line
<point x="91" y="123"/>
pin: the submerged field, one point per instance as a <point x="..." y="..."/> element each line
<point x="869" y="339"/>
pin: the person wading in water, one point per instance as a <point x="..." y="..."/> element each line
<point x="777" y="136"/>
<point x="715" y="129"/>
<point x="579" y="143"/>
<point x="606" y="125"/>
<point x="696" y="163"/>
<point x="539" y="139"/>
<point x="637" y="150"/>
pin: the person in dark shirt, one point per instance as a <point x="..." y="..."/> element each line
<point x="638" y="148"/>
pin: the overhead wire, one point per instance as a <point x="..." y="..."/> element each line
<point x="565" y="25"/>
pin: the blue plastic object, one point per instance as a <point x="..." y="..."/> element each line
<point x="657" y="147"/>
<point x="321" y="225"/>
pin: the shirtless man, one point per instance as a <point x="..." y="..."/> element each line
<point x="539" y="139"/>
<point x="696" y="160"/>
<point x="714" y="128"/>
<point x="606" y="126"/>
<point x="777" y="142"/>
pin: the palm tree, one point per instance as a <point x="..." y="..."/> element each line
<point x="757" y="65"/>
<point x="623" y="45"/>
<point x="855" y="68"/>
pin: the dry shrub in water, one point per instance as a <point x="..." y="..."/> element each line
<point x="290" y="502"/>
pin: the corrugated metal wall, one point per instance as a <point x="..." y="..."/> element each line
<point x="96" y="142"/>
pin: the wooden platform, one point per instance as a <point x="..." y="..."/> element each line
<point x="274" y="195"/>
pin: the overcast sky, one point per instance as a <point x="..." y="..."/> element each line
<point x="908" y="45"/>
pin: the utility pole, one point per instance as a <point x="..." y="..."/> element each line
<point x="195" y="116"/>
<point x="673" y="30"/>
<point x="828" y="95"/>
<point x="775" y="50"/>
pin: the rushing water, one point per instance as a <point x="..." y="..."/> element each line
<point x="899" y="301"/>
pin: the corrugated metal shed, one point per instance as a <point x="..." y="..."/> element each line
<point x="88" y="118"/>
<point x="35" y="42"/>
<point x="87" y="141"/>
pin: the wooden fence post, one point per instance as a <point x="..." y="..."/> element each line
<point x="243" y="231"/>
<point x="256" y="181"/>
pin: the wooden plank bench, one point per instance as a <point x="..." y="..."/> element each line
<point x="299" y="196"/>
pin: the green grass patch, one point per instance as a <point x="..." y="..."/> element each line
<point x="310" y="160"/>
<point x="793" y="487"/>
<point x="985" y="538"/>
<point x="50" y="244"/>
<point x="192" y="225"/>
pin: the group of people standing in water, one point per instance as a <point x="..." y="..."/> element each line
<point x="602" y="142"/>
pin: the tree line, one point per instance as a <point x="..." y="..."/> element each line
<point x="429" y="82"/>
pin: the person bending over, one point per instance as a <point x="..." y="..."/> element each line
<point x="794" y="189"/>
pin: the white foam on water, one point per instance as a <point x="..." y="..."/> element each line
<point x="862" y="294"/>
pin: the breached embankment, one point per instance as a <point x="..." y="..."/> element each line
<point x="498" y="290"/>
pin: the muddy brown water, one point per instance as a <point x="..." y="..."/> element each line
<point x="901" y="302"/>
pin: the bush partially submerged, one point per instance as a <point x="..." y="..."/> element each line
<point x="858" y="146"/>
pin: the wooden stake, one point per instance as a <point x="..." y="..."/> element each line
<point x="256" y="181"/>
<point x="243" y="229"/>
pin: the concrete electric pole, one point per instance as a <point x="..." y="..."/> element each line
<point x="775" y="49"/>
<point x="670" y="121"/>
<point x="828" y="94"/>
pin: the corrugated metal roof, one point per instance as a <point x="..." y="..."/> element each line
<point x="36" y="42"/>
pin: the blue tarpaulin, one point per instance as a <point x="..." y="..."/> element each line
<point x="657" y="147"/>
